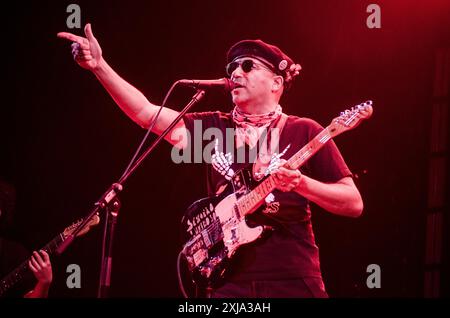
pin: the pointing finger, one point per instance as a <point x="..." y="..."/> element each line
<point x="70" y="37"/>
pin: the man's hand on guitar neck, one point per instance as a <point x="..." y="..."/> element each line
<point x="287" y="179"/>
<point x="41" y="267"/>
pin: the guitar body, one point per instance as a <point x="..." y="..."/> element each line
<point x="215" y="230"/>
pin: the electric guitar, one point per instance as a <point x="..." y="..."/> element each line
<point x="216" y="226"/>
<point x="17" y="274"/>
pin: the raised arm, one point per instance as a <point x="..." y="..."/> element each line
<point x="88" y="54"/>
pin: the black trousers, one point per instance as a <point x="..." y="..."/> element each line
<point x="306" y="287"/>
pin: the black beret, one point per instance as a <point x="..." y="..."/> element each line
<point x="269" y="54"/>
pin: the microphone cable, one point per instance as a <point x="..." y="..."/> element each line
<point x="180" y="280"/>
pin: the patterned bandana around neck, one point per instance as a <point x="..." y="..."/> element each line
<point x="249" y="127"/>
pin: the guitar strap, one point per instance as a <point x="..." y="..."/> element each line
<point x="263" y="159"/>
<point x="281" y="122"/>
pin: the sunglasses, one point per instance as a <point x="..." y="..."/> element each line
<point x="246" y="65"/>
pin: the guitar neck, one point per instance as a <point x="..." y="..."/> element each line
<point x="248" y="203"/>
<point x="18" y="273"/>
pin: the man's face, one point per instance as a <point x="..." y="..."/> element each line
<point x="253" y="87"/>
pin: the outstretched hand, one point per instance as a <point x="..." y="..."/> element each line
<point x="86" y="51"/>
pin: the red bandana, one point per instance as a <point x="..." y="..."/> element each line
<point x="249" y="127"/>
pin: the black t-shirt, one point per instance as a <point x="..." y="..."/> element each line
<point x="290" y="250"/>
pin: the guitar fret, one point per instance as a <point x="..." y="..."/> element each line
<point x="260" y="188"/>
<point x="305" y="155"/>
<point x="264" y="186"/>
<point x="256" y="196"/>
<point x="255" y="199"/>
<point x="244" y="202"/>
<point x="272" y="184"/>
<point x="252" y="199"/>
<point x="258" y="192"/>
<point x="268" y="184"/>
<point x="324" y="136"/>
<point x="50" y="245"/>
<point x="53" y="245"/>
<point x="241" y="205"/>
<point x="324" y="139"/>
<point x="247" y="204"/>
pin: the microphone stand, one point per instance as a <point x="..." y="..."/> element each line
<point x="111" y="214"/>
<point x="109" y="203"/>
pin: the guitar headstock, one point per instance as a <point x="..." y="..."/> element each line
<point x="351" y="118"/>
<point x="92" y="222"/>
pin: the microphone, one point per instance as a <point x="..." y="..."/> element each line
<point x="223" y="83"/>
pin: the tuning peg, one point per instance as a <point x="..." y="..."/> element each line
<point x="367" y="104"/>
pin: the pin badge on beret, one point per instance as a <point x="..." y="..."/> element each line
<point x="282" y="65"/>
